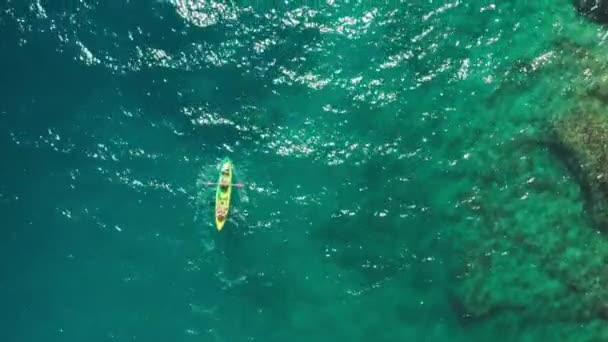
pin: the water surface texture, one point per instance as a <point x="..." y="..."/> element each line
<point x="401" y="183"/>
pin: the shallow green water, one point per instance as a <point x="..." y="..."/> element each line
<point x="396" y="189"/>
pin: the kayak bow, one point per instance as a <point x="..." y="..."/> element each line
<point x="222" y="196"/>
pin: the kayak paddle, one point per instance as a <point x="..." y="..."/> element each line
<point x="238" y="185"/>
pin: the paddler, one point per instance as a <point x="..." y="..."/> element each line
<point x="224" y="183"/>
<point x="221" y="214"/>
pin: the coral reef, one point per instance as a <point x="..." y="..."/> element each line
<point x="534" y="244"/>
<point x="582" y="141"/>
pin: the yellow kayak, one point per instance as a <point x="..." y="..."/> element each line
<point x="222" y="196"/>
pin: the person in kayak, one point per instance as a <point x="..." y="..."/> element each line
<point x="224" y="183"/>
<point x="221" y="214"/>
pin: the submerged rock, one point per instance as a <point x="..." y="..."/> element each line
<point x="529" y="254"/>
<point x="582" y="142"/>
<point x="596" y="9"/>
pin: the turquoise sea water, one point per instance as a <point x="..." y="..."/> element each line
<point x="396" y="189"/>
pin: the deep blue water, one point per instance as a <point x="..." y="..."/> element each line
<point x="359" y="130"/>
